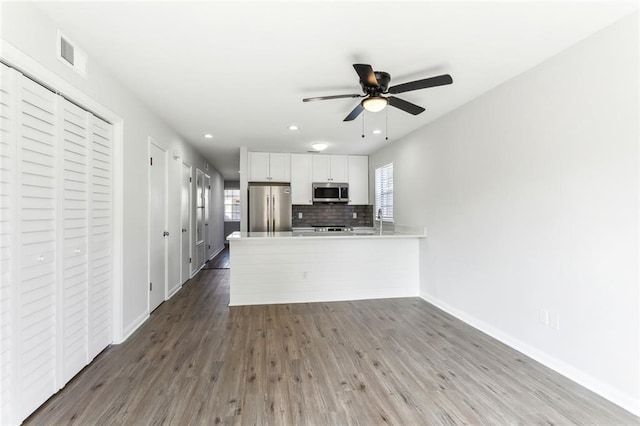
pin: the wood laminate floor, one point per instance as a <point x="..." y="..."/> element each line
<point x="397" y="361"/>
<point x="220" y="261"/>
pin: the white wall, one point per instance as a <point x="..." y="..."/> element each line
<point x="24" y="26"/>
<point x="530" y="198"/>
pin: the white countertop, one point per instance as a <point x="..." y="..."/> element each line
<point x="309" y="234"/>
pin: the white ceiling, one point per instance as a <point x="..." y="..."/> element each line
<point x="239" y="70"/>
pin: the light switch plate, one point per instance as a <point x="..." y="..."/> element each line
<point x="299" y="215"/>
<point x="355" y="215"/>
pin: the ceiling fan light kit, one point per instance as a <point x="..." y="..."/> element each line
<point x="374" y="103"/>
<point x="376" y="83"/>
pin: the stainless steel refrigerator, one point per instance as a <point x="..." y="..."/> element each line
<point x="269" y="208"/>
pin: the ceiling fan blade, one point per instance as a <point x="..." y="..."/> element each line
<point x="366" y="74"/>
<point x="440" y="80"/>
<point x="324" y="98"/>
<point x="404" y="105"/>
<point x="353" y="114"/>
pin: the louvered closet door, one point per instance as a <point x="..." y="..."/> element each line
<point x="74" y="244"/>
<point x="7" y="241"/>
<point x="37" y="233"/>
<point x="101" y="234"/>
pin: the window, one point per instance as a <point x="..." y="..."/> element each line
<point x="384" y="192"/>
<point x="232" y="205"/>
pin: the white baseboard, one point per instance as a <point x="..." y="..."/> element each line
<point x="606" y="391"/>
<point x="135" y="324"/>
<point x="174" y="290"/>
<point x="217" y="252"/>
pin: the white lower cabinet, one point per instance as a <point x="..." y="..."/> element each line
<point x="55" y="242"/>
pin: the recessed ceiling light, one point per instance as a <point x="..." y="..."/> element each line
<point x="377" y="131"/>
<point x="293" y="127"/>
<point x="319" y="146"/>
<point x="208" y="135"/>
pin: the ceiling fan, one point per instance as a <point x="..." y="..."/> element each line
<point x="375" y="84"/>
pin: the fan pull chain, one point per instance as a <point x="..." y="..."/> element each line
<point x="363" y="124"/>
<point x="386" y="125"/>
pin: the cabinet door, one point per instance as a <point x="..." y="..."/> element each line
<point x="321" y="168"/>
<point x="258" y="167"/>
<point x="358" y="179"/>
<point x="301" y="179"/>
<point x="279" y="167"/>
<point x="339" y="168"/>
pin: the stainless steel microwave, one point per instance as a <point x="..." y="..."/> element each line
<point x="330" y="192"/>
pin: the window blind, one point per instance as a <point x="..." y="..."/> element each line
<point x="384" y="192"/>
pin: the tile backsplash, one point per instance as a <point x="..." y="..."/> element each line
<point x="331" y="214"/>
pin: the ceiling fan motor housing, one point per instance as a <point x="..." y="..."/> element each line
<point x="383" y="83"/>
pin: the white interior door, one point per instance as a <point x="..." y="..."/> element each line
<point x="38" y="253"/>
<point x="185" y="221"/>
<point x="100" y="236"/>
<point x="157" y="225"/>
<point x="55" y="242"/>
<point x="74" y="282"/>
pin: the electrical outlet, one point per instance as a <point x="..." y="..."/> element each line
<point x="355" y="215"/>
<point x="299" y="215"/>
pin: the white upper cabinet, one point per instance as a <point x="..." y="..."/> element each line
<point x="358" y="179"/>
<point x="330" y="168"/>
<point x="269" y="167"/>
<point x="301" y="179"/>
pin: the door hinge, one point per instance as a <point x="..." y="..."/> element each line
<point x="150" y="286"/>
<point x="151" y="161"/>
<point x="209" y="186"/>
<point x="189" y="179"/>
<point x="189" y="260"/>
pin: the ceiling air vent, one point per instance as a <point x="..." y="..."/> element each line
<point x="71" y="55"/>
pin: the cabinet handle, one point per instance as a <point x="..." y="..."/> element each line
<point x="77" y="250"/>
<point x="165" y="234"/>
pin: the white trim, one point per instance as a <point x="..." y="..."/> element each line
<point x="174" y="290"/>
<point x="118" y="232"/>
<point x="217" y="252"/>
<point x="14" y="56"/>
<point x="580" y="377"/>
<point x="189" y="228"/>
<point x="198" y="270"/>
<point x="135" y="324"/>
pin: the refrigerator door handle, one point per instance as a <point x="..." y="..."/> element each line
<point x="267" y="213"/>
<point x="273" y="214"/>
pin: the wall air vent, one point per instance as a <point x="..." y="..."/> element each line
<point x="71" y="55"/>
<point x="66" y="50"/>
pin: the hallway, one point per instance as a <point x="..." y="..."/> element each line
<point x="396" y="361"/>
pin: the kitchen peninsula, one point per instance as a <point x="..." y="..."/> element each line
<point x="303" y="266"/>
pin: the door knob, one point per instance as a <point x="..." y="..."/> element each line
<point x="165" y="234"/>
